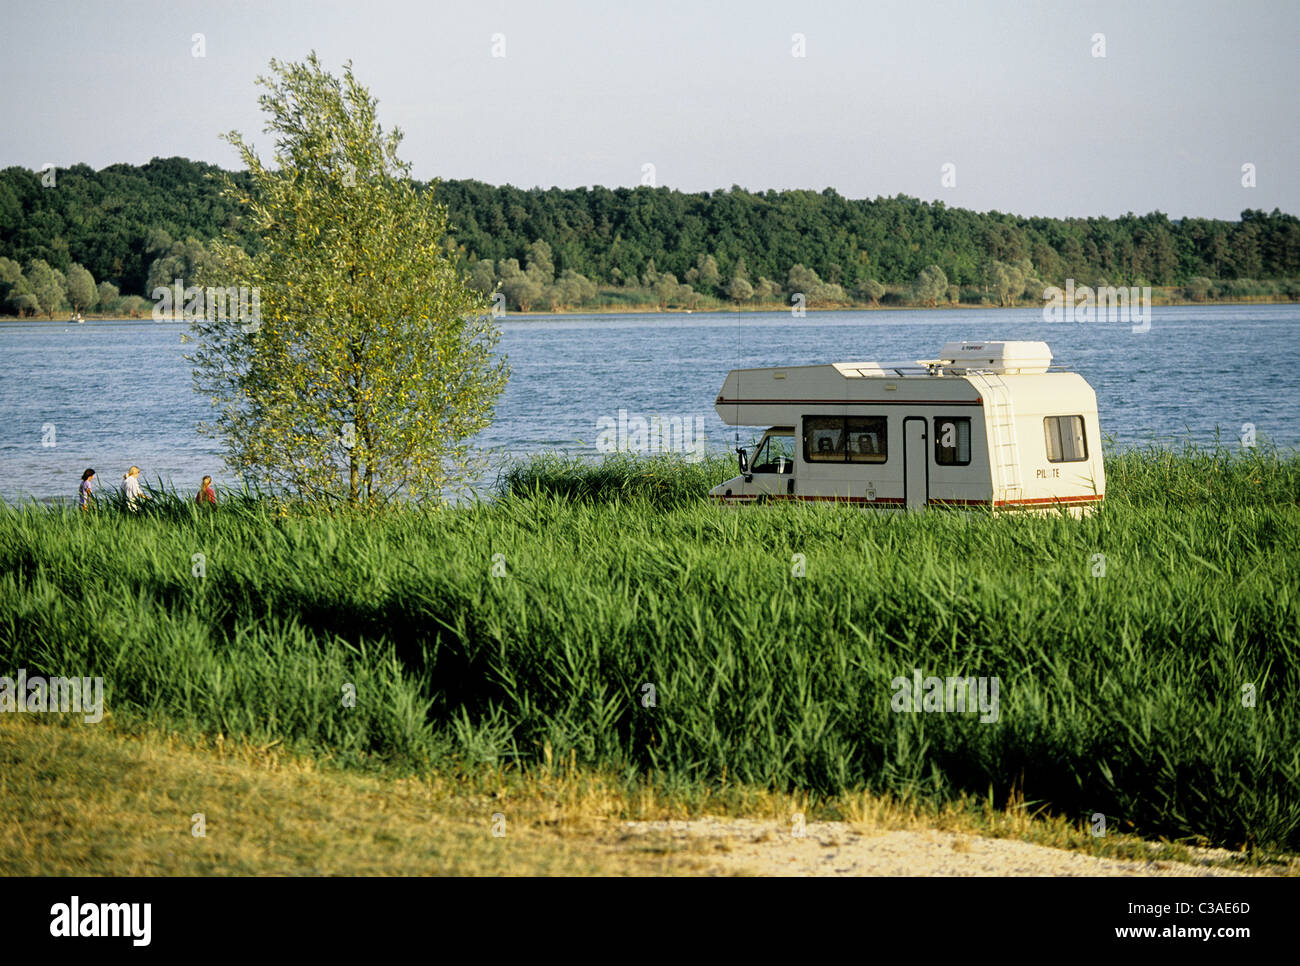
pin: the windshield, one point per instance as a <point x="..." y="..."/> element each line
<point x="775" y="454"/>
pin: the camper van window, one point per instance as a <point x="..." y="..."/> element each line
<point x="866" y="436"/>
<point x="952" y="440"/>
<point x="823" y="439"/>
<point x="844" y="439"/>
<point x="1065" y="438"/>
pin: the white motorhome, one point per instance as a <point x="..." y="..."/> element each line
<point x="987" y="424"/>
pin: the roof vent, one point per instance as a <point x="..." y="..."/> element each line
<point x="1011" y="358"/>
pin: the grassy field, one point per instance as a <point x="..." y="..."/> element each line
<point x="509" y="635"/>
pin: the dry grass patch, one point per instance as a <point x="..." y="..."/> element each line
<point x="108" y="800"/>
<point x="81" y="800"/>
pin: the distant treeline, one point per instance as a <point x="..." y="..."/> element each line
<point x="136" y="226"/>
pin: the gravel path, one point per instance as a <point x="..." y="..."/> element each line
<point x="752" y="847"/>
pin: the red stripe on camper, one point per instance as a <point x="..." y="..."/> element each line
<point x="896" y="500"/>
<point x="807" y="499"/>
<point x="1080" y="498"/>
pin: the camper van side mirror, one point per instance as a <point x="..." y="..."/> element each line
<point x="742" y="458"/>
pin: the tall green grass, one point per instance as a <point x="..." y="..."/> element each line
<point x="1120" y="694"/>
<point x="663" y="481"/>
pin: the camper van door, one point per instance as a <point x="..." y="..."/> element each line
<point x="773" y="465"/>
<point x="916" y="463"/>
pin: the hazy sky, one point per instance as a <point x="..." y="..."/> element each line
<point x="709" y="93"/>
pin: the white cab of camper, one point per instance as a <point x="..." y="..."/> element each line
<point x="986" y="424"/>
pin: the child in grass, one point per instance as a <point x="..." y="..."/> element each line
<point x="87" y="497"/>
<point x="206" y="493"/>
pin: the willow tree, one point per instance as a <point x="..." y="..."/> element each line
<point x="360" y="363"/>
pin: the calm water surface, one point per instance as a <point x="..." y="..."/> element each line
<point x="119" y="392"/>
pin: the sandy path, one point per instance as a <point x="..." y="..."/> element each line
<point x="753" y="847"/>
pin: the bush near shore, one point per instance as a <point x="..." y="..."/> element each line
<point x="1161" y="694"/>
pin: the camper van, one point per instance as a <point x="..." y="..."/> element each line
<point x="987" y="424"/>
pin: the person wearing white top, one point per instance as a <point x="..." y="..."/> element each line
<point x="131" y="487"/>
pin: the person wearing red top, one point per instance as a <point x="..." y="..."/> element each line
<point x="206" y="493"/>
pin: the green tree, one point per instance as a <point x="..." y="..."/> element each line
<point x="82" y="292"/>
<point x="705" y="274"/>
<point x="806" y="281"/>
<point x="187" y="261"/>
<point x="1031" y="286"/>
<point x="122" y="220"/>
<point x="20" y="301"/>
<point x="665" y="289"/>
<point x="871" y="290"/>
<point x="541" y="263"/>
<point x="482" y="278"/>
<point x="1199" y="288"/>
<point x="47" y="285"/>
<point x="108" y="297"/>
<point x="1007" y="282"/>
<point x="369" y="366"/>
<point x="739" y="290"/>
<point x="573" y="290"/>
<point x="687" y="296"/>
<point x="521" y="290"/>
<point x="931" y="285"/>
<point x="802" y="280"/>
<point x="158" y="241"/>
<point x="541" y="275"/>
<point x="10" y="273"/>
<point x="22" y="304"/>
<point x="133" y="306"/>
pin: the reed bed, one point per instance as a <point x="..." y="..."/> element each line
<point x="1148" y="657"/>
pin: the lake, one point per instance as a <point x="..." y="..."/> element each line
<point x="109" y="394"/>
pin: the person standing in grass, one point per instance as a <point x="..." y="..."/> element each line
<point x="206" y="493"/>
<point x="131" y="487"/>
<point x="87" y="496"/>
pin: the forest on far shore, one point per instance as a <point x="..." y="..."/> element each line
<point x="103" y="240"/>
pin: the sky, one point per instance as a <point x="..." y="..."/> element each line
<point x="882" y="97"/>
